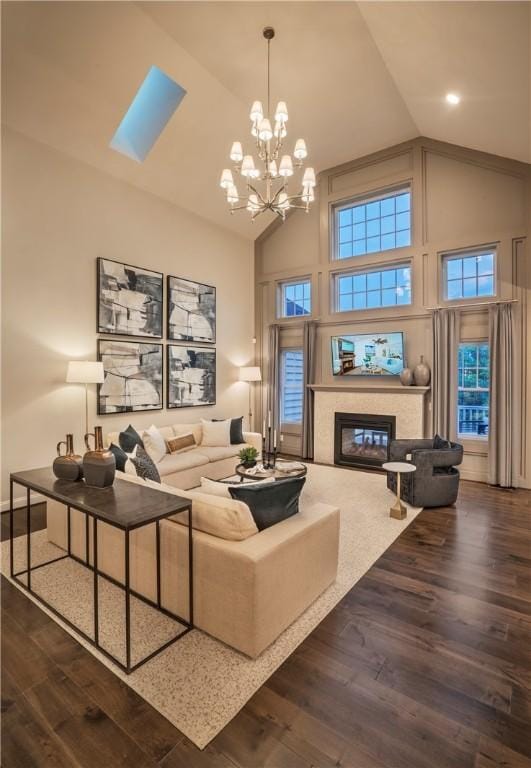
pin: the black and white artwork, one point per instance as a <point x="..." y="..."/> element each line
<point x="129" y="300"/>
<point x="133" y="376"/>
<point x="191" y="376"/>
<point x="191" y="310"/>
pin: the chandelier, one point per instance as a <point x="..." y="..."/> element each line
<point x="266" y="183"/>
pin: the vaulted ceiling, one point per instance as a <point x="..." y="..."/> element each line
<point x="357" y="77"/>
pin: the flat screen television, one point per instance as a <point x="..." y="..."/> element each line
<point x="368" y="354"/>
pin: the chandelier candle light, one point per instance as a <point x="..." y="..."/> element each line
<point x="267" y="186"/>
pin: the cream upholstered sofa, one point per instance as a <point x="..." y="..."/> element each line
<point x="184" y="470"/>
<point x="249" y="585"/>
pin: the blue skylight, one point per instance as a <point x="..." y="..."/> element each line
<point x="154" y="103"/>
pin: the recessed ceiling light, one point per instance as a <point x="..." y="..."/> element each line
<point x="453" y="98"/>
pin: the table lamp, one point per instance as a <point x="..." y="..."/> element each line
<point x="85" y="372"/>
<point x="250" y="373"/>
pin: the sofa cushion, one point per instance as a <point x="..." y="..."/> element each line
<point x="184" y="429"/>
<point x="154" y="443"/>
<point x="181" y="443"/>
<point x="236" y="430"/>
<point x="129" y="438"/>
<point x="120" y="456"/>
<point x="439" y="443"/>
<point x="177" y="462"/>
<point x="216" y="433"/>
<point x="270" y="503"/>
<point x="218" y="453"/>
<point x="225" y="518"/>
<point x="144" y="465"/>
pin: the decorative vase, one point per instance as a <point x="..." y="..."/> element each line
<point x="249" y="463"/>
<point x="406" y="377"/>
<point x="99" y="465"/>
<point x="68" y="466"/>
<point x="422" y="373"/>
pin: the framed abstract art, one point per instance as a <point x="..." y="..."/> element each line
<point x="130" y="300"/>
<point x="133" y="376"/>
<point x="191" y="373"/>
<point x="191" y="311"/>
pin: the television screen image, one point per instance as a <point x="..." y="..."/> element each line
<point x="368" y="354"/>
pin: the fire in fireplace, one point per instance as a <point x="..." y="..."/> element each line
<point x="362" y="440"/>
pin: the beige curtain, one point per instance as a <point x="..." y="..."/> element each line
<point x="273" y="378"/>
<point x="502" y="395"/>
<point x="444" y="376"/>
<point x="308" y="356"/>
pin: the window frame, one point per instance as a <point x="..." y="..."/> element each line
<point x="472" y="437"/>
<point x="282" y="423"/>
<point x="280" y="303"/>
<point x="365" y="270"/>
<point x="448" y="256"/>
<point x="363" y="199"/>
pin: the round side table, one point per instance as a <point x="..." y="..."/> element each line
<point x="398" y="510"/>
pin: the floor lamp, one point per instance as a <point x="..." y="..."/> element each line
<point x="85" y="372"/>
<point x="249" y="374"/>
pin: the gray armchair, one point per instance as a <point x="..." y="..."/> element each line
<point x="436" y="480"/>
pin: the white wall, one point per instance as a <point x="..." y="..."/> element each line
<point x="59" y="215"/>
<point x="461" y="199"/>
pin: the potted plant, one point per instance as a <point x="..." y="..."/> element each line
<point x="248" y="457"/>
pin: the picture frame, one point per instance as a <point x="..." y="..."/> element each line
<point x="191" y="311"/>
<point x="134" y="376"/>
<point x="190" y="376"/>
<point x="129" y="300"/>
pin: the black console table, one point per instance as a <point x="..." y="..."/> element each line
<point x="124" y="505"/>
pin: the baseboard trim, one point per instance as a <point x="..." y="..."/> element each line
<point x="20" y="501"/>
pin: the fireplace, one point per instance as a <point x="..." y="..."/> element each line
<point x="362" y="440"/>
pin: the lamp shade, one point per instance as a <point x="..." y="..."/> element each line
<point x="84" y="372"/>
<point x="250" y="373"/>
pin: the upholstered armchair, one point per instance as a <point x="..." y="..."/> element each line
<point x="436" y="480"/>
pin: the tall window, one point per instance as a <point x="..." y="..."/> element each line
<point x="291" y="389"/>
<point x="467" y="276"/>
<point x="295" y="298"/>
<point x="372" y="225"/>
<point x="373" y="288"/>
<point x="473" y="390"/>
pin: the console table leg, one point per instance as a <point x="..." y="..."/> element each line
<point x="87" y="540"/>
<point x="11" y="558"/>
<point x="68" y="531"/>
<point x="190" y="569"/>
<point x="28" y="536"/>
<point x="158" y="561"/>
<point x="95" y="558"/>
<point x="127" y="606"/>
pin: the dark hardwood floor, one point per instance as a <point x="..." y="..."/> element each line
<point x="426" y="663"/>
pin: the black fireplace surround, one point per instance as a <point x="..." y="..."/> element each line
<point x="362" y="439"/>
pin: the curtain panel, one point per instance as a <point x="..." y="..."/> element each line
<point x="446" y="325"/>
<point x="503" y="403"/>
<point x="273" y="377"/>
<point x="308" y="355"/>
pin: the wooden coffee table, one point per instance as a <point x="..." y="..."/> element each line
<point x="245" y="474"/>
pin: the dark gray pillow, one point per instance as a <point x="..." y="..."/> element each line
<point x="236" y="430"/>
<point x="145" y="466"/>
<point x="270" y="503"/>
<point x="439" y="443"/>
<point x="119" y="455"/>
<point x="129" y="438"/>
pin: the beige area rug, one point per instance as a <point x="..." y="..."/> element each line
<point x="199" y="684"/>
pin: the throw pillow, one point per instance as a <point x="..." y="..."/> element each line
<point x="154" y="443"/>
<point x="145" y="466"/>
<point x="120" y="456"/>
<point x="129" y="438"/>
<point x="440" y="443"/>
<point x="236" y="430"/>
<point x="272" y="502"/>
<point x="216" y="433"/>
<point x="217" y="488"/>
<point x="181" y="443"/>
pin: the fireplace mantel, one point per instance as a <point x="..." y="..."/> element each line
<point x="389" y="389"/>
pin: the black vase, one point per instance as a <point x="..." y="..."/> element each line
<point x="68" y="466"/>
<point x="99" y="465"/>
